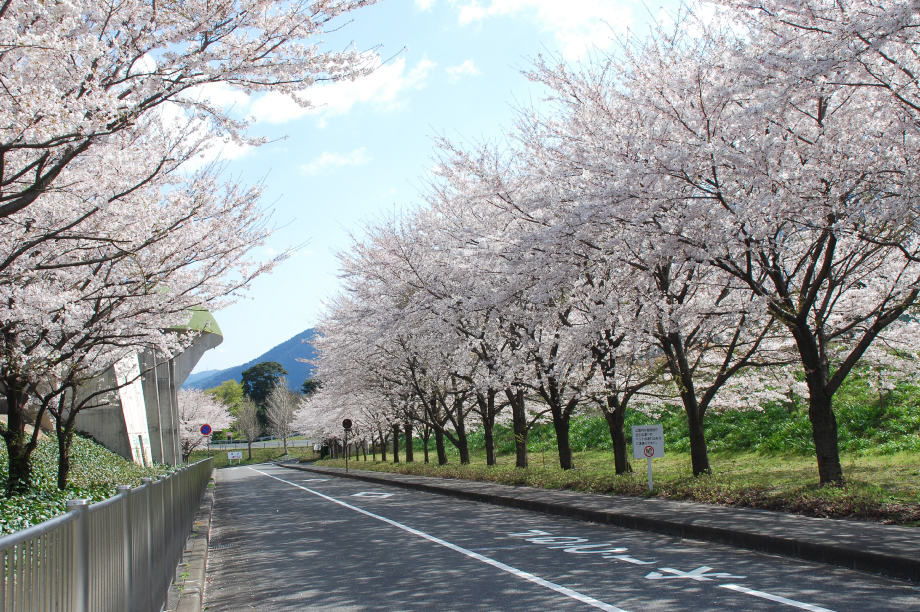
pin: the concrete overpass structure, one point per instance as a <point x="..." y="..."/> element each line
<point x="143" y="424"/>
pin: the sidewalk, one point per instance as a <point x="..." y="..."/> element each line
<point x="881" y="549"/>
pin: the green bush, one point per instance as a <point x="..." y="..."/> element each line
<point x="95" y="472"/>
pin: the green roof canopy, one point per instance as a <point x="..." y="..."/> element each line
<point x="202" y="320"/>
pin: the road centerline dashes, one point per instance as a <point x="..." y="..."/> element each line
<point x="577" y="596"/>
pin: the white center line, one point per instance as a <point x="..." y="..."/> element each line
<point x="497" y="564"/>
<point x="776" y="598"/>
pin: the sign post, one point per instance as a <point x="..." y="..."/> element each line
<point x="648" y="442"/>
<point x="346" y="425"/>
<point x="206" y="431"/>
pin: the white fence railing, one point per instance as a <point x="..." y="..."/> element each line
<point x="118" y="555"/>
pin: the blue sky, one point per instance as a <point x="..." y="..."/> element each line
<point x="365" y="146"/>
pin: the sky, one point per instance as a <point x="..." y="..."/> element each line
<point x="453" y="68"/>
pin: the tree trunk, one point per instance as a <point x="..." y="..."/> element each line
<point x="488" y="430"/>
<point x="18" y="448"/>
<point x="426" y="436"/>
<point x="699" y="454"/>
<point x="410" y="452"/>
<point x="820" y="408"/>
<point x="284" y="439"/>
<point x="383" y="448"/>
<point x="561" y="425"/>
<point x="249" y="444"/>
<point x="462" y="442"/>
<point x="63" y="456"/>
<point x="439" y="444"/>
<point x="519" y="420"/>
<point x="487" y="412"/>
<point x="615" y="415"/>
<point x="364" y="449"/>
<point x="395" y="443"/>
<point x="681" y="373"/>
<point x="374" y="449"/>
<point x="824" y="431"/>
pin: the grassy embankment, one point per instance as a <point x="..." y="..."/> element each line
<point x="759" y="458"/>
<point x="94" y="474"/>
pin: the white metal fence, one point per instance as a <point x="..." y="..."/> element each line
<point x="118" y="555"/>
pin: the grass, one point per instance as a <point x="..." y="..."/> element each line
<point x="259" y="455"/>
<point x="881" y="488"/>
<point x="94" y="474"/>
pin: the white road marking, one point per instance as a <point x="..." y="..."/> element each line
<point x="373" y="494"/>
<point x="596" y="603"/>
<point x="776" y="598"/>
<point x="629" y="559"/>
<point x="699" y="574"/>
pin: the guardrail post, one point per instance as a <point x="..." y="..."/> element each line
<point x="127" y="549"/>
<point x="80" y="602"/>
<point x="151" y="581"/>
<point x="167" y="553"/>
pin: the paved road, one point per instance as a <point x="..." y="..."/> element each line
<point x="289" y="540"/>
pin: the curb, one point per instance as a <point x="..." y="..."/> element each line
<point x="196" y="556"/>
<point x="853" y="556"/>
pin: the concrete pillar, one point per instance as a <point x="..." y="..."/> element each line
<point x="164" y="404"/>
<point x="174" y="404"/>
<point x="152" y="403"/>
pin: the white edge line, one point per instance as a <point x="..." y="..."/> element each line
<point x="776" y="598"/>
<point x="497" y="564"/>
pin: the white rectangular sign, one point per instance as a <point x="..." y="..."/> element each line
<point x="235" y="455"/>
<point x="648" y="441"/>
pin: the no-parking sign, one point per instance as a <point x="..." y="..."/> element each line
<point x="205" y="430"/>
<point x="648" y="441"/>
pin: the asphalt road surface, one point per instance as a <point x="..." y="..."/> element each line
<point x="290" y="540"/>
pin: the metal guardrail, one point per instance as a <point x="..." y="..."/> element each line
<point x="118" y="555"/>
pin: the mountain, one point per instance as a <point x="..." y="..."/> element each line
<point x="199" y="376"/>
<point x="287" y="353"/>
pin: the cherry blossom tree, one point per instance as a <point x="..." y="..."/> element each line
<point x="795" y="177"/>
<point x="247" y="422"/>
<point x="280" y="406"/>
<point x="197" y="408"/>
<point x="74" y="74"/>
<point x="64" y="324"/>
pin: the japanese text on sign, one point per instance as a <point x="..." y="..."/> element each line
<point x="648" y="441"/>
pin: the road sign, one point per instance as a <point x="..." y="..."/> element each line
<point x="648" y="441"/>
<point x="238" y="455"/>
<point x="346" y="424"/>
<point x="205" y="430"/>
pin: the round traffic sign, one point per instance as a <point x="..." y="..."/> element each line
<point x="649" y="451"/>
<point x="346" y="424"/>
<point x="205" y="430"/>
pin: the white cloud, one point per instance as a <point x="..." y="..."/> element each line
<point x="329" y="161"/>
<point x="383" y="88"/>
<point x="576" y="25"/>
<point x="423" y="5"/>
<point x="464" y="69"/>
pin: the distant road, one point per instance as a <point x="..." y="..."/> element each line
<point x="284" y="540"/>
